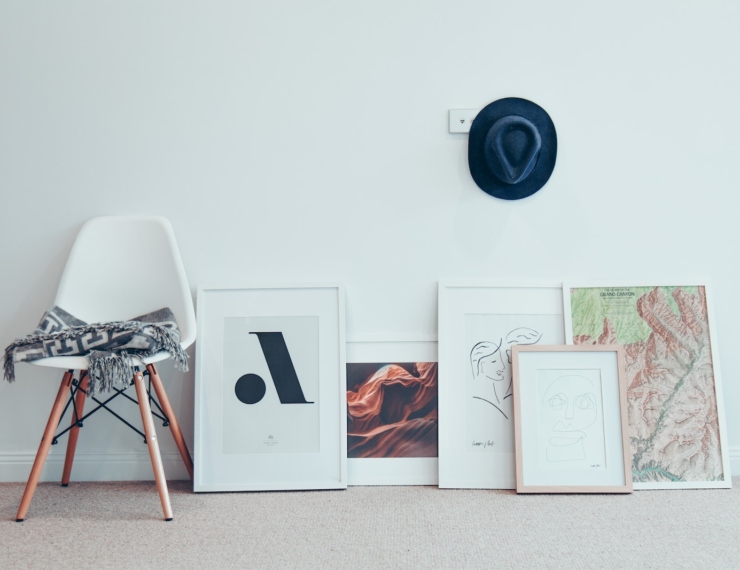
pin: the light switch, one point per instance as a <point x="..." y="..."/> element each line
<point x="461" y="119"/>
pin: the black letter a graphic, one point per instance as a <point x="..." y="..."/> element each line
<point x="281" y="367"/>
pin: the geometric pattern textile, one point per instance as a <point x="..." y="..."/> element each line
<point x="109" y="347"/>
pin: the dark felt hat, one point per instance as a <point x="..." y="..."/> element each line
<point x="512" y="148"/>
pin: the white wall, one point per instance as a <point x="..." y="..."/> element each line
<point x="307" y="141"/>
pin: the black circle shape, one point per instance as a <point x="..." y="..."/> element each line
<point x="480" y="167"/>
<point x="250" y="389"/>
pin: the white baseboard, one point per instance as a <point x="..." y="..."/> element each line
<point x="735" y="460"/>
<point x="93" y="466"/>
<point x="132" y="466"/>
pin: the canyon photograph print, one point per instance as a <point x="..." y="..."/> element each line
<point x="392" y="409"/>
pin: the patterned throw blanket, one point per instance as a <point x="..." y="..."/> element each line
<point x="109" y="347"/>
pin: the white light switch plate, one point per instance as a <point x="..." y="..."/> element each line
<point x="461" y="119"/>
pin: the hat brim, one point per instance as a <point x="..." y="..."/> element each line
<point x="482" y="174"/>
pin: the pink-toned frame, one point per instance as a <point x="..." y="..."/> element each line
<point x="520" y="486"/>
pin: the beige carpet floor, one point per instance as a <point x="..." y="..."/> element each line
<point x="119" y="525"/>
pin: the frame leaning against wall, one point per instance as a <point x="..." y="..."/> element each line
<point x="674" y="387"/>
<point x="396" y="460"/>
<point x="571" y="420"/>
<point x="270" y="388"/>
<point x="479" y="323"/>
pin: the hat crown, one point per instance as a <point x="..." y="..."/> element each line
<point x="511" y="149"/>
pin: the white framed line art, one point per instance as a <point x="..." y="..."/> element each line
<point x="270" y="406"/>
<point x="392" y="412"/>
<point x="676" y="409"/>
<point x="571" y="419"/>
<point x="479" y="323"/>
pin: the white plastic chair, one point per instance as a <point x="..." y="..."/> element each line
<point x="98" y="285"/>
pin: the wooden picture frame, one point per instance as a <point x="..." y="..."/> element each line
<point x="673" y="375"/>
<point x="479" y="322"/>
<point x="270" y="388"/>
<point x="392" y="423"/>
<point x="571" y="428"/>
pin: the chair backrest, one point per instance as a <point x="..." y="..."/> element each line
<point x="121" y="267"/>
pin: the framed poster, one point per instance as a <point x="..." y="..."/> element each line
<point x="392" y="411"/>
<point x="676" y="412"/>
<point x="479" y="324"/>
<point x="270" y="402"/>
<point x="571" y="420"/>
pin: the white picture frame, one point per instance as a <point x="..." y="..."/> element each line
<point x="656" y="457"/>
<point x="476" y="437"/>
<point x="270" y="400"/>
<point x="366" y="349"/>
<point x="571" y="420"/>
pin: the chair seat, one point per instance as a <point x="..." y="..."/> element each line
<point x="81" y="363"/>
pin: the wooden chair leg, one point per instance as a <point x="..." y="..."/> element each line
<point x="43" y="452"/>
<point x="74" y="433"/>
<point x="170" y="413"/>
<point x="151" y="440"/>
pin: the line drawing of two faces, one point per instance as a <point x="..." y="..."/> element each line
<point x="492" y="368"/>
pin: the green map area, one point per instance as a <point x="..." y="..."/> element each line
<point x="590" y="306"/>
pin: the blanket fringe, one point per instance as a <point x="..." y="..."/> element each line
<point x="109" y="370"/>
<point x="8" y="364"/>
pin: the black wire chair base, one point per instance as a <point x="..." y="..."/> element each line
<point x="76" y="387"/>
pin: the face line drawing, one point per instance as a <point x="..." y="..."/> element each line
<point x="522" y="336"/>
<point x="488" y="367"/>
<point x="570" y="402"/>
<point x="488" y="363"/>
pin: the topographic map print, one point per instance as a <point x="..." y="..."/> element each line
<point x="672" y="405"/>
